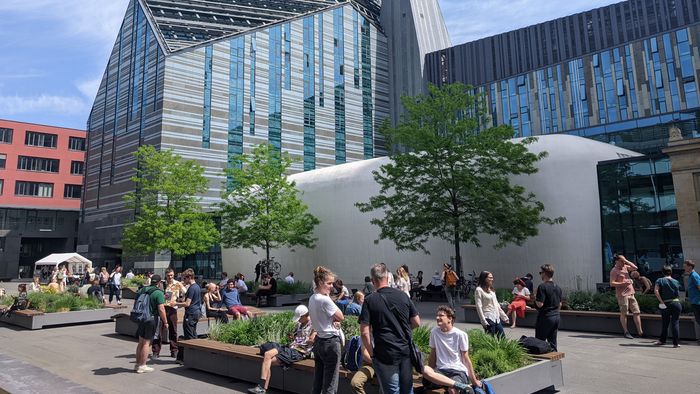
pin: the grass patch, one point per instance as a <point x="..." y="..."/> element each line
<point x="49" y="303"/>
<point x="137" y="281"/>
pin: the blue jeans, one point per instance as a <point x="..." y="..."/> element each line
<point x="670" y="315"/>
<point x="451" y="293"/>
<point x="495" y="329"/>
<point x="394" y="379"/>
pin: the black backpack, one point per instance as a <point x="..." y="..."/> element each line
<point x="141" y="311"/>
<point x="534" y="345"/>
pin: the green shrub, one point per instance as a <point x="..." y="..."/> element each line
<point x="7" y="300"/>
<point x="647" y="303"/>
<point x="350" y="326"/>
<point x="579" y="301"/>
<point x="504" y="295"/>
<point x="252" y="286"/>
<point x="268" y="328"/>
<point x="295" y="288"/>
<point x="495" y="355"/>
<point x="605" y="302"/>
<point x="137" y="281"/>
<point x="421" y="337"/>
<point x="49" y="303"/>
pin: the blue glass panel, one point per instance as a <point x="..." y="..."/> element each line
<point x="235" y="101"/>
<point x="339" y="81"/>
<point x="367" y="101"/>
<point x="274" y="117"/>
<point x="206" y="127"/>
<point x="287" y="56"/>
<point x="320" y="61"/>
<point x="356" y="49"/>
<point x="309" y="95"/>
<point x="251" y="109"/>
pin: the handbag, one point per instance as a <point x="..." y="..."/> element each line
<point x="416" y="354"/>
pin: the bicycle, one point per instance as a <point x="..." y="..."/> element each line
<point x="465" y="286"/>
<point x="271" y="267"/>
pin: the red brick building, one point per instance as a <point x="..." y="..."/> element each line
<point x="41" y="182"/>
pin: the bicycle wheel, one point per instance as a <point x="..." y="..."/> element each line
<point x="276" y="268"/>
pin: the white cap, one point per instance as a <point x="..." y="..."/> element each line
<point x="300" y="311"/>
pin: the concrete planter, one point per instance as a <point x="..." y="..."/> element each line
<point x="35" y="320"/>
<point x="276" y="300"/>
<point x="124" y="326"/>
<point x="129" y="293"/>
<point x="243" y="363"/>
<point x="590" y="321"/>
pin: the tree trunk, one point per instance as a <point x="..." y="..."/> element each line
<point x="458" y="256"/>
<point x="267" y="250"/>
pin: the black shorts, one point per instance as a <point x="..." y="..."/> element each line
<point x="456" y="375"/>
<point x="147" y="329"/>
<point x="285" y="354"/>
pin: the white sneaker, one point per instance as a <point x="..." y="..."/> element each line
<point x="143" y="369"/>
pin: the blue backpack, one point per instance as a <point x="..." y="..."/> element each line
<point x="141" y="312"/>
<point x="485" y="388"/>
<point x="352" y="359"/>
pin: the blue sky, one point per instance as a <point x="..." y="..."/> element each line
<point x="55" y="51"/>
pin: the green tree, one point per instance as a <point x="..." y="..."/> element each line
<point x="261" y="207"/>
<point x="450" y="178"/>
<point x="167" y="213"/>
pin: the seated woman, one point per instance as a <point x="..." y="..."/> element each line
<point x="521" y="297"/>
<point x="214" y="305"/>
<point x="35" y="286"/>
<point x="54" y="287"/>
<point x="21" y="301"/>
<point x="301" y="341"/>
<point x="267" y="288"/>
<point x="340" y="295"/>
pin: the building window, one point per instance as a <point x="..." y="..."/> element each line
<point x="34" y="189"/>
<point x="339" y="79"/>
<point x="77" y="168"/>
<point x="76" y="143"/>
<point x="2" y="186"/>
<point x="5" y="135"/>
<point x="33" y="138"/>
<point x="3" y="160"/>
<point x="72" y="191"/>
<point x="274" y="117"/>
<point x="37" y="164"/>
<point x="309" y="95"/>
<point x="206" y="132"/>
<point x="696" y="183"/>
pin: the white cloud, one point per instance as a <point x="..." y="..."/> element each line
<point x="89" y="87"/>
<point x="469" y="20"/>
<point x="62" y="105"/>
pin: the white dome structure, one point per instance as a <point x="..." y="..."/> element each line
<point x="566" y="183"/>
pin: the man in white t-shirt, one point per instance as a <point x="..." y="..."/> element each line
<point x="449" y="364"/>
<point x="290" y="278"/>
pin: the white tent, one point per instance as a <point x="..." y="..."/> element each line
<point x="75" y="263"/>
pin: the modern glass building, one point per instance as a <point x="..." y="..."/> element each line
<point x="211" y="79"/>
<point x="621" y="74"/>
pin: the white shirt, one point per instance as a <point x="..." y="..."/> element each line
<point x="223" y="283"/>
<point x="437" y="280"/>
<point x="130" y="275"/>
<point x="289" y="279"/>
<point x="524" y="293"/>
<point x="241" y="286"/>
<point x="117" y="278"/>
<point x="391" y="279"/>
<point x="449" y="347"/>
<point x="321" y="311"/>
<point x="488" y="307"/>
<point x="403" y="285"/>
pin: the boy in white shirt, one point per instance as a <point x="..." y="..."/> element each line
<point x="449" y="364"/>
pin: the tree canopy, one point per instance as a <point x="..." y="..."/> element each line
<point x="167" y="213"/>
<point x="450" y="176"/>
<point x="261" y="207"/>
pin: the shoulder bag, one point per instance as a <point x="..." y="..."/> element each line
<point x="416" y="354"/>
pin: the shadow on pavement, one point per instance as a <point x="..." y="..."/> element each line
<point x="202" y="376"/>
<point x="586" y="336"/>
<point x="647" y="345"/>
<point x="114" y="335"/>
<point x="111" y="371"/>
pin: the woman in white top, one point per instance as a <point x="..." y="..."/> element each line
<point x="35" y="287"/>
<point x="521" y="295"/>
<point x="325" y="319"/>
<point x="490" y="312"/>
<point x="403" y="282"/>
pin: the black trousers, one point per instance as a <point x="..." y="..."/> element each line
<point x="189" y="329"/>
<point x="670" y="315"/>
<point x="546" y="329"/>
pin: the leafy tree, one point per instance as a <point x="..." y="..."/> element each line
<point x="261" y="207"/>
<point x="168" y="216"/>
<point x="450" y="178"/>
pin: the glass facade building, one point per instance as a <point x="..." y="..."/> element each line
<point x="211" y="79"/>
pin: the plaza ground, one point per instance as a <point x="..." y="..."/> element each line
<point x="92" y="358"/>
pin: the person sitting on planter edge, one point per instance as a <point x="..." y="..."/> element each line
<point x="240" y="283"/>
<point x="449" y="364"/>
<point x="355" y="307"/>
<point x="521" y="295"/>
<point x="95" y="291"/>
<point x="20" y="303"/>
<point x="340" y="294"/>
<point x="214" y="306"/>
<point x="266" y="289"/>
<point x="232" y="301"/>
<point x="301" y="341"/>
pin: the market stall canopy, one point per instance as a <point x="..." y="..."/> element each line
<point x="58" y="258"/>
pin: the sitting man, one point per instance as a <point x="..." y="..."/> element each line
<point x="266" y="289"/>
<point x="240" y="283"/>
<point x="301" y="341"/>
<point x="232" y="301"/>
<point x="449" y="364"/>
<point x="355" y="307"/>
<point x="340" y="294"/>
<point x="95" y="291"/>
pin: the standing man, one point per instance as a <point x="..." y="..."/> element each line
<point x="382" y="311"/>
<point x="193" y="310"/>
<point x="147" y="329"/>
<point x="693" y="290"/>
<point x="449" y="364"/>
<point x="624" y="291"/>
<point x="173" y="291"/>
<point x="548" y="302"/>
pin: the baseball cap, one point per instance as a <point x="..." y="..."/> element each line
<point x="155" y="279"/>
<point x="300" y="311"/>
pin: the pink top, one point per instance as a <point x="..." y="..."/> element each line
<point x="621" y="275"/>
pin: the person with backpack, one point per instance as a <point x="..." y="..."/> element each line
<point x="365" y="373"/>
<point x="149" y="309"/>
<point x="449" y="364"/>
<point x="449" y="279"/>
<point x="301" y="340"/>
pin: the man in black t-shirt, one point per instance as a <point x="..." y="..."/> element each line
<point x="381" y="312"/>
<point x="193" y="310"/>
<point x="548" y="301"/>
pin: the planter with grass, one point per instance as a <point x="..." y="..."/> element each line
<point x="230" y="351"/>
<point x="130" y="287"/>
<point x="599" y="313"/>
<point x="47" y="309"/>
